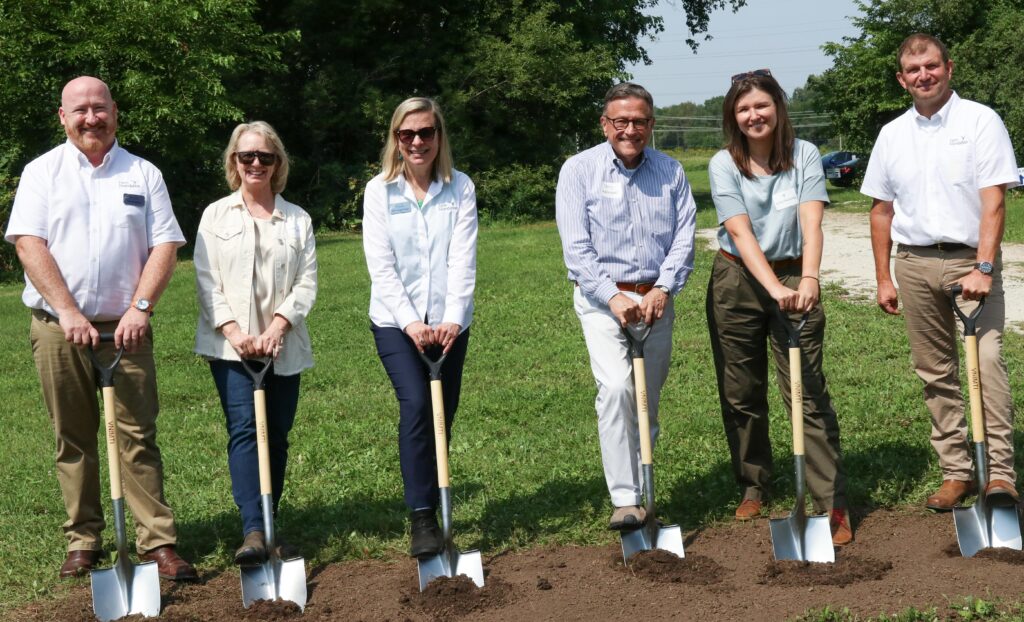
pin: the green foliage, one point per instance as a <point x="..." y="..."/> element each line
<point x="517" y="193"/>
<point x="166" y="64"/>
<point x="860" y="89"/>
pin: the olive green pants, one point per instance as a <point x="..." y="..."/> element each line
<point x="741" y="319"/>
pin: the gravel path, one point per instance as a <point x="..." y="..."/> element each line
<point x="847" y="260"/>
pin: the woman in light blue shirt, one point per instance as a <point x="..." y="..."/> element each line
<point x="769" y="191"/>
<point x="419" y="235"/>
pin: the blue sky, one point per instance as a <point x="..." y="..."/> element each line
<point x="782" y="35"/>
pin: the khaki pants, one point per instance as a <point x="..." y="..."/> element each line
<point x="741" y="319"/>
<point x="69" y="386"/>
<point x="923" y="275"/>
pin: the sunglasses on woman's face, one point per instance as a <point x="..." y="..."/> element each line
<point x="763" y="73"/>
<point x="247" y="157"/>
<point x="426" y="134"/>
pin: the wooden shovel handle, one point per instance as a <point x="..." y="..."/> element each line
<point x="262" y="444"/>
<point x="642" y="411"/>
<point x="113" y="451"/>
<point x="974" y="388"/>
<point x="440" y="434"/>
<point x="796" y="396"/>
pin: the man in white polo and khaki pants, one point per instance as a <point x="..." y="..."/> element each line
<point x="938" y="175"/>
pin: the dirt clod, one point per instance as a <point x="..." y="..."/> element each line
<point x="446" y="598"/>
<point x="845" y="571"/>
<point x="1009" y="556"/>
<point x="664" y="567"/>
<point x="543" y="584"/>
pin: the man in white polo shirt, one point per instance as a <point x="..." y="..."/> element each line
<point x="95" y="232"/>
<point x="938" y="175"/>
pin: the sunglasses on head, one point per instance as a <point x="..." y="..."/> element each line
<point x="247" y="157"/>
<point x="425" y="134"/>
<point x="763" y="73"/>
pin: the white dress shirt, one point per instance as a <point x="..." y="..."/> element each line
<point x="99" y="224"/>
<point x="225" y="260"/>
<point x="932" y="171"/>
<point x="422" y="259"/>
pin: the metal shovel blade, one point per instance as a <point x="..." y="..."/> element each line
<point x="450" y="563"/>
<point x="664" y="537"/>
<point x="799" y="538"/>
<point x="126" y="589"/>
<point x="273" y="579"/>
<point x="980" y="527"/>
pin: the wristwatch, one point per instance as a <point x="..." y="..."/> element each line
<point x="984" y="267"/>
<point x="668" y="292"/>
<point x="144" y="305"/>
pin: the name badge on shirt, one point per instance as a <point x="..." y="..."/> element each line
<point x="611" y="190"/>
<point x="400" y="208"/>
<point x="134" y="199"/>
<point x="784" y="199"/>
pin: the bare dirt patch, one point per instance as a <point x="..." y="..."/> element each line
<point x="900" y="558"/>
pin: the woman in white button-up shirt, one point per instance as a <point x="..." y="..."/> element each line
<point x="419" y="235"/>
<point x="255" y="262"/>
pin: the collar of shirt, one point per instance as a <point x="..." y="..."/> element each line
<point x="83" y="160"/>
<point x="939" y="118"/>
<point x="406" y="189"/>
<point x="237" y="201"/>
<point x="615" y="162"/>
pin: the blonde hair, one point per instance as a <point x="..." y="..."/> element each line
<point x="390" y="158"/>
<point x="280" y="177"/>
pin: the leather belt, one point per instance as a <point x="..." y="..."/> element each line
<point x="776" y="264"/>
<point x="939" y="246"/>
<point x="638" y="288"/>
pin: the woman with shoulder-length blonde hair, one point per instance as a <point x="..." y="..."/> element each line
<point x="256" y="276"/>
<point x="769" y="191"/>
<point x="419" y="236"/>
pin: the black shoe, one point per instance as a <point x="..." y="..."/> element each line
<point x="427" y="539"/>
<point x="253" y="551"/>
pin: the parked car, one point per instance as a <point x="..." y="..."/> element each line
<point x="842" y="168"/>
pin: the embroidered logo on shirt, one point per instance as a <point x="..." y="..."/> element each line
<point x="958" y="140"/>
<point x="128" y="183"/>
<point x="450" y="205"/>
<point x="611" y="190"/>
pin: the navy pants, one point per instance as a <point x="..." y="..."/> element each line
<point x="236" y="398"/>
<point x="411" y="381"/>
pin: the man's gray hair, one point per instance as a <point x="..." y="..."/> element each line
<point x="626" y="90"/>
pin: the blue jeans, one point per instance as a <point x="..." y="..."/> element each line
<point x="236" y="398"/>
<point x="411" y="382"/>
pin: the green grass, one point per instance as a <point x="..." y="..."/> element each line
<point x="525" y="457"/>
<point x="965" y="610"/>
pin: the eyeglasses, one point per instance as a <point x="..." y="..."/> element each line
<point x="622" y="123"/>
<point x="426" y="134"/>
<point x="762" y="73"/>
<point x="247" y="157"/>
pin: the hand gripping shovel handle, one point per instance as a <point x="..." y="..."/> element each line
<point x="973" y="369"/>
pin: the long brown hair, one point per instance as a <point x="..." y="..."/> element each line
<point x="781" y="158"/>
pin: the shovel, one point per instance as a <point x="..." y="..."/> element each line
<point x="126" y="588"/>
<point x="275" y="578"/>
<point x="652" y="535"/>
<point x="799" y="537"/>
<point x="980" y="526"/>
<point x="449" y="562"/>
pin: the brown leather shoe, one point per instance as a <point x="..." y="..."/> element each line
<point x="950" y="494"/>
<point x="253" y="551"/>
<point x="749" y="509"/>
<point x="170" y="565"/>
<point x="839" y="523"/>
<point x="1001" y="493"/>
<point x="79" y="563"/>
<point x="628" y="518"/>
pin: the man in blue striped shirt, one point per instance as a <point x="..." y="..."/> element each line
<point x="626" y="216"/>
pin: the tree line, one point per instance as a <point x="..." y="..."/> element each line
<point x="520" y="81"/>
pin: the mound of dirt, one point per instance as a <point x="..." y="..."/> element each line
<point x="664" y="567"/>
<point x="446" y="598"/>
<point x="845" y="571"/>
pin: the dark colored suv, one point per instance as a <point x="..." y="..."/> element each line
<point x="842" y="168"/>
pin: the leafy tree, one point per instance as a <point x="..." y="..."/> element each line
<point x="165" y="63"/>
<point x="861" y="91"/>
